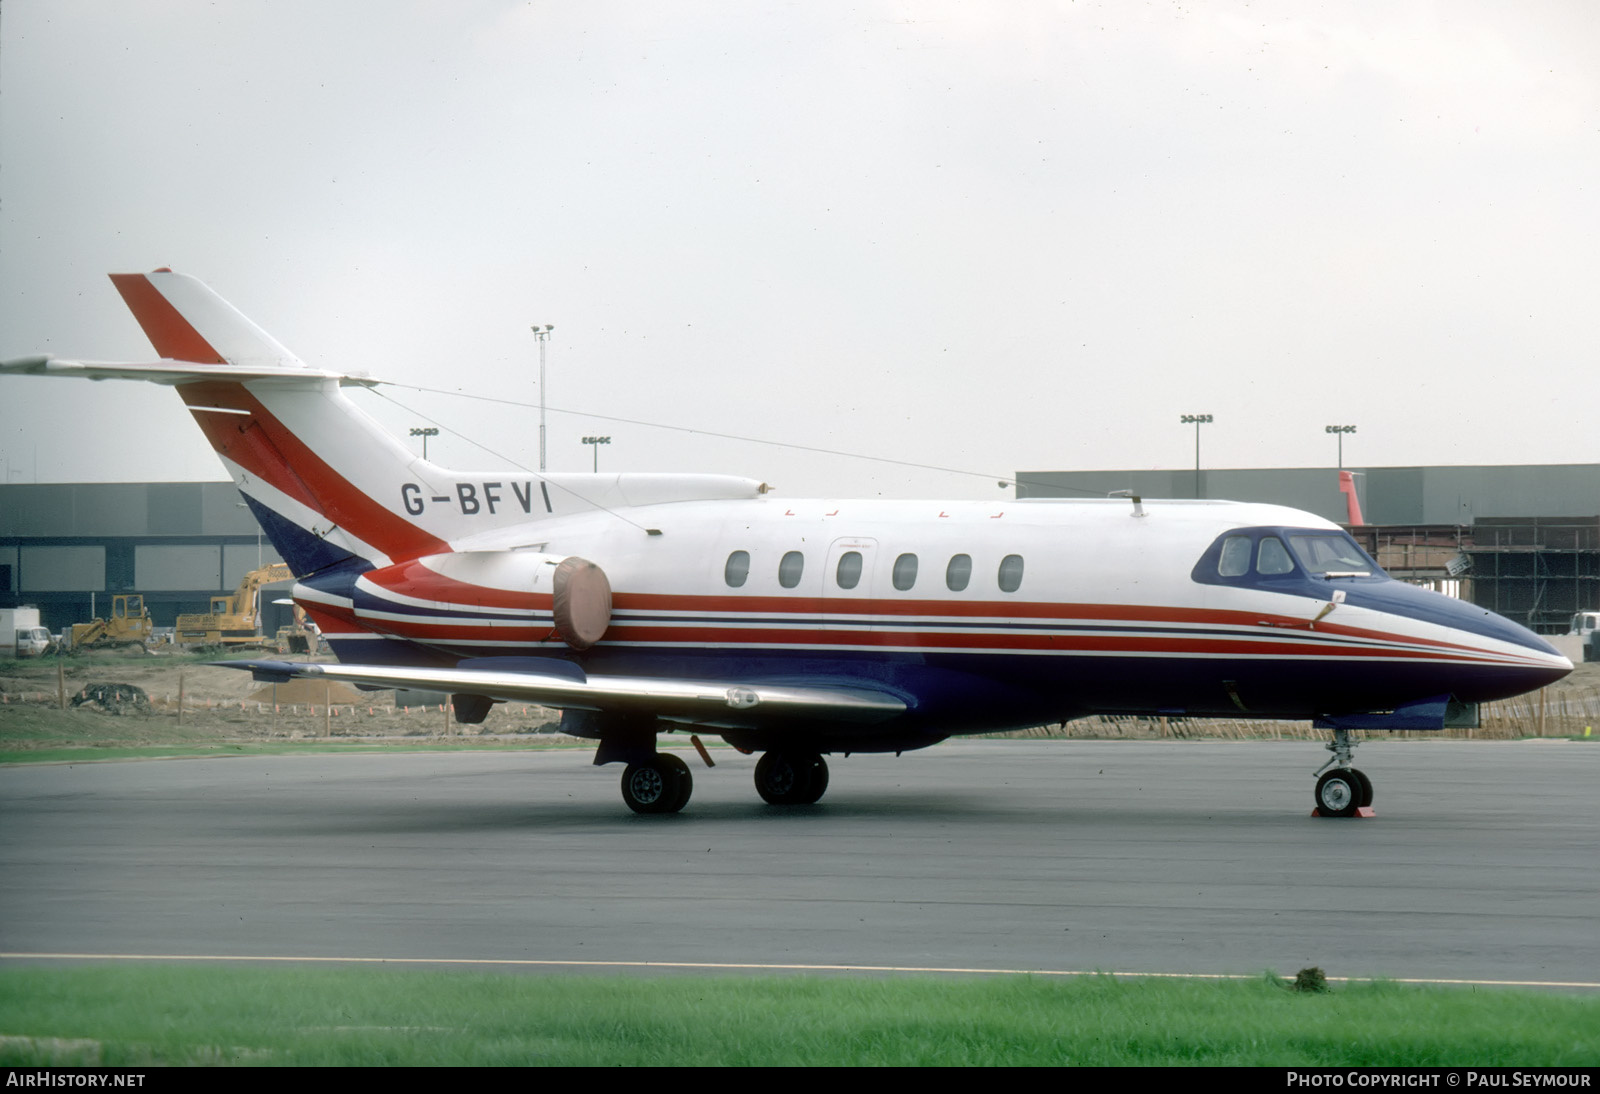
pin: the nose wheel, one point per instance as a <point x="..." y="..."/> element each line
<point x="1343" y="791"/>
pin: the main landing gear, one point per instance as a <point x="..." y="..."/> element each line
<point x="1342" y="791"/>
<point x="661" y="785"/>
<point x="791" y="778"/>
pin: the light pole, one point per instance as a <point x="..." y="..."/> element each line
<point x="1341" y="430"/>
<point x="542" y="335"/>
<point x="1198" y="420"/>
<point x="425" y="433"/>
<point x="596" y="442"/>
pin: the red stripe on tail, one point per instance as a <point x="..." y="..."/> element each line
<point x="169" y="332"/>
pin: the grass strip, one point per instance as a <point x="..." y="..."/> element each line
<point x="137" y="1015"/>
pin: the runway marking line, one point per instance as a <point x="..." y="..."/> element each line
<point x="519" y="962"/>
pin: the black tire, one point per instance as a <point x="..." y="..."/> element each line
<point x="818" y="781"/>
<point x="680" y="773"/>
<point x="1338" y="793"/>
<point x="1366" y="788"/>
<point x="776" y="776"/>
<point x="791" y="778"/>
<point x="650" y="788"/>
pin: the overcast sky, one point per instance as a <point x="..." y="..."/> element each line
<point x="984" y="236"/>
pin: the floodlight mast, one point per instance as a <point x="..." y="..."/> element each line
<point x="1340" y="430"/>
<point x="1198" y="420"/>
<point x="596" y="442"/>
<point x="425" y="433"/>
<point x="542" y="335"/>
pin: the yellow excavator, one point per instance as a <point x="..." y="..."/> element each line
<point x="233" y="620"/>
<point x="127" y="625"/>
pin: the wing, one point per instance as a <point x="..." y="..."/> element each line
<point x="721" y="704"/>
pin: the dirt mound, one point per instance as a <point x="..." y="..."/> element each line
<point x="113" y="698"/>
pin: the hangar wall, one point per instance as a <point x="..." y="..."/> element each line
<point x="65" y="547"/>
<point x="1389" y="495"/>
<point x="1520" y="540"/>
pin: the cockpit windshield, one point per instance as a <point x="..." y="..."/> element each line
<point x="1330" y="555"/>
<point x="1247" y="556"/>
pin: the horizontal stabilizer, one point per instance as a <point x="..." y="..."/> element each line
<point x="724" y="704"/>
<point x="172" y="372"/>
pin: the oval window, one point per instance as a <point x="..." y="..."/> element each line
<point x="848" y="572"/>
<point x="905" y="572"/>
<point x="1011" y="573"/>
<point x="737" y="570"/>
<point x="958" y="573"/>
<point x="790" y="568"/>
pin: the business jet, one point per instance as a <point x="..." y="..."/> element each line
<point x="639" y="604"/>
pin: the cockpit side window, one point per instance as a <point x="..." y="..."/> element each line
<point x="1272" y="558"/>
<point x="1235" y="560"/>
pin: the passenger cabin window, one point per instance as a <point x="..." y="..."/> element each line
<point x="958" y="573"/>
<point x="1272" y="557"/>
<point x="1011" y="573"/>
<point x="905" y="572"/>
<point x="848" y="572"/>
<point x="1235" y="560"/>
<point x="789" y="569"/>
<point x="737" y="570"/>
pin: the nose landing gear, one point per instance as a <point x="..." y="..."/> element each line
<point x="1342" y="791"/>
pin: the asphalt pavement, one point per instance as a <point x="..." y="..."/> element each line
<point x="1134" y="856"/>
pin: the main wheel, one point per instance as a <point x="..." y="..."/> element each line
<point x="680" y="772"/>
<point x="819" y="779"/>
<point x="656" y="787"/>
<point x="1365" y="799"/>
<point x="791" y="778"/>
<point x="1338" y="793"/>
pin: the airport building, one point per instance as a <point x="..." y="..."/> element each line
<point x="68" y="548"/>
<point x="1521" y="540"/>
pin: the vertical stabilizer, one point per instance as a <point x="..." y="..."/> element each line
<point x="1347" y="487"/>
<point x="186" y="321"/>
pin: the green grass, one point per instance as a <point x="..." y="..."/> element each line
<point x="161" y="1014"/>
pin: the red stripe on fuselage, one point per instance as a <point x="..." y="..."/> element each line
<point x="415" y="579"/>
<point x="169" y="332"/>
<point x="766" y="614"/>
<point x="444" y="632"/>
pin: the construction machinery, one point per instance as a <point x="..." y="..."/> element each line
<point x="301" y="636"/>
<point x="128" y="624"/>
<point x="233" y="620"/>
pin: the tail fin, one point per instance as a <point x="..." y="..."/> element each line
<point x="309" y="463"/>
<point x="1347" y="487"/>
<point x="186" y="321"/>
<point x="328" y="484"/>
